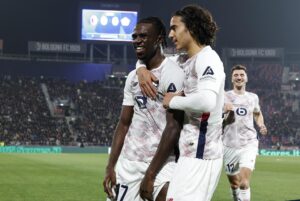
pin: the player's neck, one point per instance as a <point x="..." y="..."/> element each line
<point x="194" y="49"/>
<point x="239" y="90"/>
<point x="155" y="61"/>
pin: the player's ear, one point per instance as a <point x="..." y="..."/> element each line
<point x="159" y="40"/>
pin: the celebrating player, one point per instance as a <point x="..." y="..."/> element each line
<point x="240" y="137"/>
<point x="143" y="121"/>
<point x="197" y="172"/>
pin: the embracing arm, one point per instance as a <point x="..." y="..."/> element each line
<point x="146" y="79"/>
<point x="116" y="147"/>
<point x="202" y="101"/>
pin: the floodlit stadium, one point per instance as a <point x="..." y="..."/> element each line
<point x="64" y="66"/>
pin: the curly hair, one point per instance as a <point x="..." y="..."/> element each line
<point x="159" y="26"/>
<point x="199" y="22"/>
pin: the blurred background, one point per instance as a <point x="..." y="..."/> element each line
<point x="63" y="65"/>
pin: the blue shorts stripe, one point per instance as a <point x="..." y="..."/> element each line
<point x="202" y="136"/>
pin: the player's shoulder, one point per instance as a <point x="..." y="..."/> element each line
<point x="208" y="56"/>
<point x="208" y="53"/>
<point x="251" y="94"/>
<point x="229" y="92"/>
<point x="170" y="66"/>
<point x="131" y="76"/>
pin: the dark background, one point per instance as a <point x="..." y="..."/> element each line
<point x="243" y="23"/>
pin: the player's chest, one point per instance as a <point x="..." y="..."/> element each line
<point x="191" y="79"/>
<point x="243" y="106"/>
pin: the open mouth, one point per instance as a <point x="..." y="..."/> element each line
<point x="139" y="49"/>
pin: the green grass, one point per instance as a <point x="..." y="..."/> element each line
<point x="78" y="177"/>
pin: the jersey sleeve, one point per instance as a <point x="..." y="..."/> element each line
<point x="210" y="72"/>
<point x="128" y="99"/>
<point x="256" y="104"/>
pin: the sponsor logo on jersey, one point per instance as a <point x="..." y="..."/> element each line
<point x="208" y="71"/>
<point x="171" y="88"/>
<point x="241" y="111"/>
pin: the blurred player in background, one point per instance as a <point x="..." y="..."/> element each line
<point x="143" y="121"/>
<point x="198" y="170"/>
<point x="240" y="137"/>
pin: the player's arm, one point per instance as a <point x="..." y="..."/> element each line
<point x="210" y="76"/>
<point x="165" y="148"/>
<point x="259" y="120"/>
<point x="202" y="101"/>
<point x="146" y="79"/>
<point x="258" y="117"/>
<point x="117" y="144"/>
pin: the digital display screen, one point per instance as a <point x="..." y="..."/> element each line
<point x="107" y="25"/>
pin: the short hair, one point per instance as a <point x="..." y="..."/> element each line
<point x="159" y="26"/>
<point x="199" y="22"/>
<point x="238" y="67"/>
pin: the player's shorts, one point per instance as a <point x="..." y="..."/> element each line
<point x="235" y="159"/>
<point x="194" y="179"/>
<point x="129" y="177"/>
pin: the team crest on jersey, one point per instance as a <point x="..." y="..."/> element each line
<point x="141" y="101"/>
<point x="241" y="111"/>
<point x="171" y="88"/>
<point x="208" y="71"/>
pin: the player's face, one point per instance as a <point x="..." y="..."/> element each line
<point x="239" y="78"/>
<point x="179" y="34"/>
<point x="145" y="41"/>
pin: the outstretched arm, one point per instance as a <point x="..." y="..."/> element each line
<point x="146" y="80"/>
<point x="165" y="148"/>
<point x="117" y="144"/>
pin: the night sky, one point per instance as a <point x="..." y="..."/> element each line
<point x="243" y="23"/>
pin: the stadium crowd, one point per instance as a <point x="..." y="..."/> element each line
<point x="94" y="108"/>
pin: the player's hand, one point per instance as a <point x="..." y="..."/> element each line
<point x="227" y="107"/>
<point x="109" y="182"/>
<point x="229" y="118"/>
<point x="146" y="79"/>
<point x="168" y="97"/>
<point x="146" y="188"/>
<point x="263" y="129"/>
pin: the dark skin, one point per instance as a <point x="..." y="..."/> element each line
<point x="165" y="148"/>
<point x="118" y="140"/>
<point x="146" y="42"/>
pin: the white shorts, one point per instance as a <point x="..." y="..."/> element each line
<point x="234" y="159"/>
<point x="129" y="177"/>
<point x="194" y="179"/>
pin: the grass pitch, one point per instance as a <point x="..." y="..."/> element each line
<point x="78" y="177"/>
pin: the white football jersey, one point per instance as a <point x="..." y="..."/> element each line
<point x="201" y="133"/>
<point x="149" y="118"/>
<point x="241" y="133"/>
